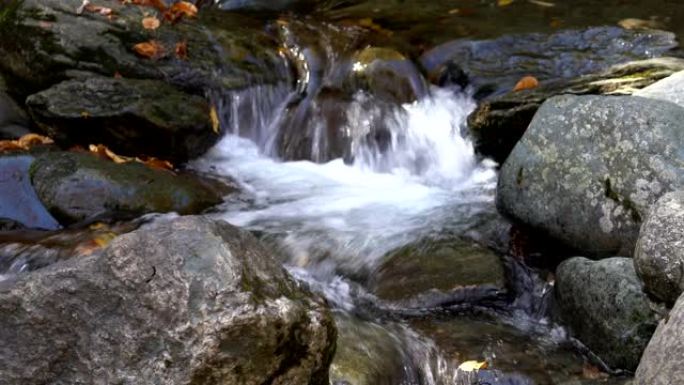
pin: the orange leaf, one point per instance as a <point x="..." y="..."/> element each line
<point x="103" y="152"/>
<point x="24" y="143"/>
<point x="180" y="9"/>
<point x="526" y="83"/>
<point x="182" y="50"/>
<point x="152" y="162"/>
<point x="150" y="22"/>
<point x="150" y="50"/>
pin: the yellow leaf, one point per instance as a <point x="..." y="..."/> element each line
<point x="151" y="22"/>
<point x="526" y="83"/>
<point x="503" y="3"/>
<point x="472" y="366"/>
<point x="215" y="122"/>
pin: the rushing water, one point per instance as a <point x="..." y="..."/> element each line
<point x="333" y="223"/>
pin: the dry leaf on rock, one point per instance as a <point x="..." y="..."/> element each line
<point x="151" y="22"/>
<point x="182" y="50"/>
<point x="150" y="49"/>
<point x="526" y="83"/>
<point x="180" y="9"/>
<point x="24" y="143"/>
<point x="472" y="366"/>
<point x="215" y="122"/>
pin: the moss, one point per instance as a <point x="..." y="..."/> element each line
<point x="9" y="13"/>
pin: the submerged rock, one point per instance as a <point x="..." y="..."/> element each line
<point x="663" y="361"/>
<point x="19" y="205"/>
<point x="191" y="301"/>
<point x="589" y="168"/>
<point x="498" y="123"/>
<point x="604" y="307"/>
<point x="659" y="254"/>
<point x="76" y="186"/>
<point x="132" y="117"/>
<point x="434" y="273"/>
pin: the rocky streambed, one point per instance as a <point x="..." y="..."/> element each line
<point x="340" y="192"/>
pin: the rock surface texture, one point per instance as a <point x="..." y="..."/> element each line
<point x="589" y="168"/>
<point x="604" y="307"/>
<point x="191" y="301"/>
<point x="659" y="254"/>
<point x="663" y="360"/>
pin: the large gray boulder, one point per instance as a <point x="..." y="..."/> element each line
<point x="663" y="360"/>
<point x="604" y="307"/>
<point x="670" y="89"/>
<point x="191" y="301"/>
<point x="659" y="254"/>
<point x="589" y="167"/>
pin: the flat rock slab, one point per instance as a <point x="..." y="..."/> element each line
<point x="588" y="169"/>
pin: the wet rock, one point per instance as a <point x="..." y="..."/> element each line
<point x="267" y="5"/>
<point x="659" y="254"/>
<point x="498" y="64"/>
<point x="19" y="204"/>
<point x="670" y="89"/>
<point x="188" y="301"/>
<point x="13" y="120"/>
<point x="604" y="307"/>
<point x="434" y="273"/>
<point x="661" y="363"/>
<point x="499" y="122"/>
<point x="367" y="354"/>
<point x="52" y="43"/>
<point x="584" y="172"/>
<point x="130" y="116"/>
<point x="76" y="186"/>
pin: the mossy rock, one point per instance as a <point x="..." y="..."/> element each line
<point x="77" y="186"/>
<point x="433" y="273"/>
<point x="132" y="117"/>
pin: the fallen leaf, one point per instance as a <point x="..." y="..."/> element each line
<point x="85" y="114"/>
<point x="640" y="24"/>
<point x="150" y="50"/>
<point x="160" y="164"/>
<point x="151" y="22"/>
<point x="180" y="9"/>
<point x="526" y="83"/>
<point x="182" y="50"/>
<point x="24" y="143"/>
<point x="117" y="75"/>
<point x="503" y="3"/>
<point x="98" y="9"/>
<point x="105" y="153"/>
<point x="473" y="366"/>
<point x="215" y="122"/>
<point x="540" y="3"/>
<point x="591" y="372"/>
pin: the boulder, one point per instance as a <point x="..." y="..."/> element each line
<point x="589" y="168"/>
<point x="605" y="308"/>
<point x="433" y="273"/>
<point x="498" y="123"/>
<point x="19" y="204"/>
<point x="53" y="42"/>
<point x="498" y="64"/>
<point x="77" y="186"/>
<point x="670" y="89"/>
<point x="190" y="301"/>
<point x="132" y="117"/>
<point x="662" y="362"/>
<point x="659" y="253"/>
<point x="13" y="120"/>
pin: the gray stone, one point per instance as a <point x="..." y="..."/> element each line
<point x="432" y="273"/>
<point x="75" y="187"/>
<point x="13" y="120"/>
<point x="191" y="301"/>
<point x="670" y="89"/>
<point x="589" y="168"/>
<point x="130" y="116"/>
<point x="659" y="254"/>
<point x="663" y="360"/>
<point x="602" y="303"/>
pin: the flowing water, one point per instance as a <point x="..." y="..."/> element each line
<point x="333" y="222"/>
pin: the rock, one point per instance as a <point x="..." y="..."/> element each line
<point x="267" y="5"/>
<point x="498" y="64"/>
<point x="53" y="43"/>
<point x="76" y="186"/>
<point x="433" y="273"/>
<point x="499" y="122"/>
<point x="603" y="305"/>
<point x="659" y="254"/>
<point x="670" y="89"/>
<point x="19" y="204"/>
<point x="586" y="171"/>
<point x="367" y="354"/>
<point x="13" y="120"/>
<point x="132" y="117"/>
<point x="191" y="301"/>
<point x="661" y="363"/>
